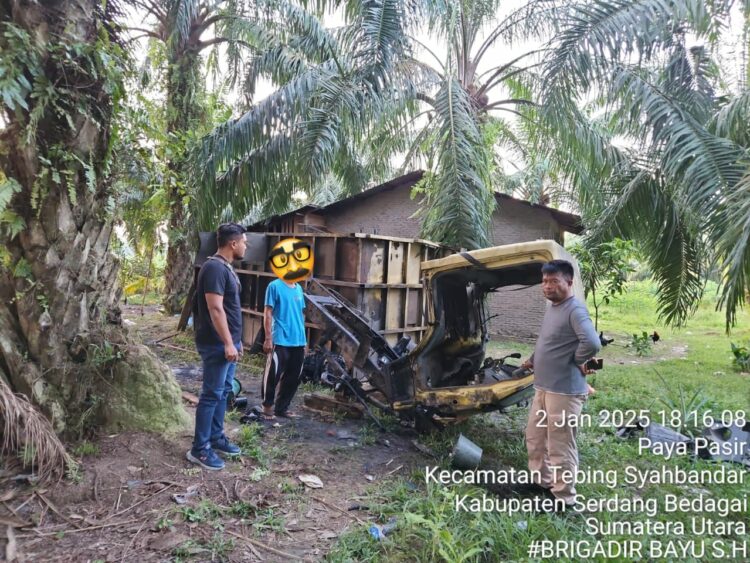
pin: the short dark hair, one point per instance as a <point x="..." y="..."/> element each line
<point x="228" y="232"/>
<point x="559" y="267"/>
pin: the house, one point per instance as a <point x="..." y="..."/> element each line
<point x="388" y="209"/>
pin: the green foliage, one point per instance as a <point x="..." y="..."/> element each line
<point x="641" y="343"/>
<point x="244" y="510"/>
<point x="86" y="448"/>
<point x="204" y="511"/>
<point x="248" y="439"/>
<point x="350" y="101"/>
<point x="605" y="268"/>
<point x="33" y="94"/>
<point x="679" y="187"/>
<point x="10" y="222"/>
<point x="741" y="359"/>
<point x="623" y="385"/>
<point x="19" y="57"/>
<point x="459" y="200"/>
<point x="105" y="354"/>
<point x="688" y="409"/>
<point x="269" y="520"/>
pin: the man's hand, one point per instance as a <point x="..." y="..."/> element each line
<point x="230" y="352"/>
<point x="528" y="364"/>
<point x="584" y="370"/>
<point x="268" y="345"/>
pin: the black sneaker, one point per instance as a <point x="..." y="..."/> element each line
<point x="206" y="458"/>
<point x="224" y="446"/>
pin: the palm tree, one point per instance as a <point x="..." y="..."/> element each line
<point x="351" y="99"/>
<point x="62" y="347"/>
<point x="677" y="180"/>
<point x="332" y="86"/>
<point x="183" y="30"/>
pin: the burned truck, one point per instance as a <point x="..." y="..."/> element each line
<point x="401" y="324"/>
<point x="446" y="376"/>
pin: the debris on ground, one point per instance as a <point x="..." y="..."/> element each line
<point x="184" y="498"/>
<point x="380" y="532"/>
<point x="312" y="481"/>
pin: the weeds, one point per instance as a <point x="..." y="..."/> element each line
<point x="202" y="512"/>
<point x="233" y="415"/>
<point x="368" y="434"/>
<point x="86" y="448"/>
<point x="683" y="408"/>
<point x="248" y="439"/>
<point x="269" y="520"/>
<point x="641" y="343"/>
<point x="258" y="473"/>
<point x="741" y="360"/>
<point x="163" y="523"/>
<point x="220" y="546"/>
<point x="312" y="387"/>
<point x="244" y="510"/>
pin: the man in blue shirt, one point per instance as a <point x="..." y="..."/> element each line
<point x="284" y="324"/>
<point x="218" y="337"/>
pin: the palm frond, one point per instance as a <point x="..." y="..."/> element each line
<point x="730" y="231"/>
<point x="182" y="15"/>
<point x="594" y="35"/>
<point x="642" y="209"/>
<point x="703" y="164"/>
<point x="459" y="202"/>
<point x="732" y="121"/>
<point x="27" y="433"/>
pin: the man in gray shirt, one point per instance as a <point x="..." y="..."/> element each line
<point x="567" y="340"/>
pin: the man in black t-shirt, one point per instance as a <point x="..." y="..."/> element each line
<point x="217" y="317"/>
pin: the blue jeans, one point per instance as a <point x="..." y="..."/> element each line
<point x="218" y="374"/>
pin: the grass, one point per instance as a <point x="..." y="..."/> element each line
<point x="85" y="448"/>
<point x="248" y="439"/>
<point x="689" y="367"/>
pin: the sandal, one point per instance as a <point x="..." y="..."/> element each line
<point x="288" y="414"/>
<point x="256" y="414"/>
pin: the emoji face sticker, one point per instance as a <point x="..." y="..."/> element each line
<point x="291" y="260"/>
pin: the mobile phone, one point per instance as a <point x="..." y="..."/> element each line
<point x="595" y="364"/>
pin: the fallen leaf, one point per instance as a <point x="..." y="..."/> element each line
<point x="312" y="481"/>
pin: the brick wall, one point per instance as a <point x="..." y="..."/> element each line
<point x="519" y="310"/>
<point x="386" y="214"/>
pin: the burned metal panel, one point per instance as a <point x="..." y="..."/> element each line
<point x="396" y="261"/>
<point x="370" y="271"/>
<point x="325" y="257"/>
<point x="347" y="259"/>
<point x="256" y="251"/>
<point x="373" y="305"/>
<point x="373" y="261"/>
<point x="413" y="261"/>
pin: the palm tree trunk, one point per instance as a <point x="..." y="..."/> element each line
<point x="185" y="112"/>
<point x="61" y="340"/>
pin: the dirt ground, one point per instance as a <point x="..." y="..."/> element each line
<point x="136" y="497"/>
